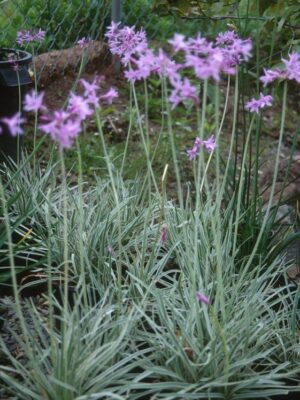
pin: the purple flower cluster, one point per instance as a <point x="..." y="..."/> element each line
<point x="292" y="67"/>
<point x="84" y="42"/>
<point x="63" y="126"/>
<point x="183" y="90"/>
<point x="14" y="124"/>
<point x="291" y="70"/>
<point x="202" y="298"/>
<point x="125" y="42"/>
<point x="211" y="59"/>
<point x="256" y="104"/>
<point x="34" y="102"/>
<point x="206" y="59"/>
<point x="24" y="37"/>
<point x="209" y="145"/>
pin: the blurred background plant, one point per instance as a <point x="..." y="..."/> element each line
<point x="65" y="22"/>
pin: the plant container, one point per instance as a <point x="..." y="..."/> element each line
<point x="14" y="82"/>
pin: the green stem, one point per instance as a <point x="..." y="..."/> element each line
<point x="147" y="114"/>
<point x="66" y="249"/>
<point x="36" y="113"/>
<point x="241" y="185"/>
<point x="49" y="263"/>
<point x="172" y="143"/>
<point x="20" y="107"/>
<point x="81" y="225"/>
<point x="150" y="172"/>
<point x="200" y="167"/>
<point x="232" y="140"/>
<point x="276" y="166"/>
<point x="256" y="168"/>
<point x="217" y="140"/>
<point x="112" y="180"/>
<point x="129" y="131"/>
<point x="200" y="126"/>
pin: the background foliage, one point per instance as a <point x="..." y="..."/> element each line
<point x="64" y="21"/>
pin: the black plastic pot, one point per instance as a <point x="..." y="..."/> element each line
<point x="14" y="82"/>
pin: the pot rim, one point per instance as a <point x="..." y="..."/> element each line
<point x="23" y="57"/>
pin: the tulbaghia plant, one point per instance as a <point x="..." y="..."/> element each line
<point x="190" y="62"/>
<point x="25" y="37"/>
<point x="168" y="302"/>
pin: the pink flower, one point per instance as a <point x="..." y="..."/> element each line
<point x="30" y="36"/>
<point x="178" y="43"/>
<point x="133" y="75"/>
<point x="292" y="67"/>
<point x="255" y="105"/>
<point x="79" y="106"/>
<point x="210" y="59"/>
<point x="62" y="128"/>
<point x="39" y="36"/>
<point x="291" y="70"/>
<point x="227" y="37"/>
<point x="198" y="45"/>
<point x="34" y="102"/>
<point x="166" y="67"/>
<point x="235" y="47"/>
<point x="164" y="234"/>
<point x="202" y="298"/>
<point x="184" y="90"/>
<point x="240" y="50"/>
<point x="83" y="42"/>
<point x="270" y="75"/>
<point x="145" y="63"/>
<point x="195" y="150"/>
<point x="125" y="42"/>
<point x="90" y="91"/>
<point x="110" y="95"/>
<point x="90" y="87"/>
<point x="207" y="65"/>
<point x="209" y="144"/>
<point x="14" y="124"/>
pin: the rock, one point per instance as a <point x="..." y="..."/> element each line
<point x="55" y="64"/>
<point x="291" y="191"/>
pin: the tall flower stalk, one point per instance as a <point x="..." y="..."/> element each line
<point x="145" y="142"/>
<point x="173" y="146"/>
<point x="30" y="37"/>
<point x="116" y="197"/>
<point x="65" y="248"/>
